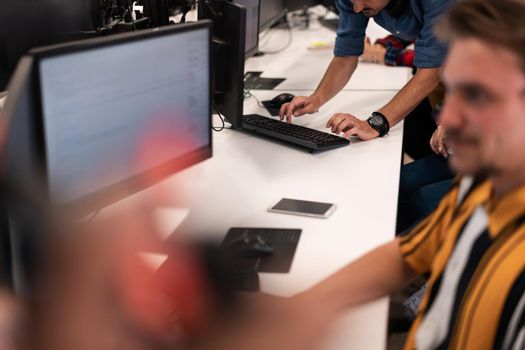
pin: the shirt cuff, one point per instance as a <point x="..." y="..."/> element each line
<point x="429" y="57"/>
<point x="392" y="56"/>
<point x="349" y="46"/>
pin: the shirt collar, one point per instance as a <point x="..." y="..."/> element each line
<point x="503" y="211"/>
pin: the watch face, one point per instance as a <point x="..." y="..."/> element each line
<point x="378" y="123"/>
<point x="376" y="120"/>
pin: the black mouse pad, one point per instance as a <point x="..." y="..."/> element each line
<point x="253" y="81"/>
<point x="274" y="111"/>
<point x="283" y="240"/>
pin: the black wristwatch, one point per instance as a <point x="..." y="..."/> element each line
<point x="379" y="123"/>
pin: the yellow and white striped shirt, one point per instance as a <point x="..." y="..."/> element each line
<point x="473" y="246"/>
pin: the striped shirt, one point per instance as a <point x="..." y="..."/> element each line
<point x="473" y="246"/>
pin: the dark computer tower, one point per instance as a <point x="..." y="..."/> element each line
<point x="158" y="11"/>
<point x="229" y="31"/>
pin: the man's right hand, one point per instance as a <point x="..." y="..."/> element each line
<point x="299" y="106"/>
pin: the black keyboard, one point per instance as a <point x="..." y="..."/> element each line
<point x="330" y="23"/>
<point x="311" y="139"/>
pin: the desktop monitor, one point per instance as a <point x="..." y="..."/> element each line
<point x="120" y="113"/>
<point x="271" y="12"/>
<point x="252" y="25"/>
<point x="229" y="25"/>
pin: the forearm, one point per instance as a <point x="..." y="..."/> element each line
<point x="376" y="274"/>
<point x="335" y="78"/>
<point x="420" y="86"/>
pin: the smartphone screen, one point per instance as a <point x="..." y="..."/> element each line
<point x="301" y="207"/>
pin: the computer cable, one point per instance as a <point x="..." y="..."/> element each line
<point x="221" y="117"/>
<point x="186" y="8"/>
<point x="288" y="43"/>
<point x="248" y="94"/>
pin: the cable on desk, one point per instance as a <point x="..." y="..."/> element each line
<point x="265" y="33"/>
<point x="187" y="7"/>
<point x="221" y="118"/>
<point x="290" y="37"/>
<point x="248" y="93"/>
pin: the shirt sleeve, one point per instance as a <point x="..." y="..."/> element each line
<point x="429" y="51"/>
<point x="351" y="33"/>
<point x="393" y="41"/>
<point x="399" y="57"/>
<point x="397" y="53"/>
<point x="420" y="246"/>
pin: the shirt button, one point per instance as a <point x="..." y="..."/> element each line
<point x="397" y="32"/>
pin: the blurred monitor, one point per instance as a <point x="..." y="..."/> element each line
<point x="252" y="25"/>
<point x="271" y="12"/>
<point x="111" y="126"/>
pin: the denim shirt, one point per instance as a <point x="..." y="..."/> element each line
<point x="415" y="24"/>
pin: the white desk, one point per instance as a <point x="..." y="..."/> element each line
<point x="248" y="174"/>
<point x="303" y="68"/>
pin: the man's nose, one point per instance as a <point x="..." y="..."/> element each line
<point x="450" y="113"/>
<point x="358" y="6"/>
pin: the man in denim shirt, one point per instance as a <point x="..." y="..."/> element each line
<point x="407" y="19"/>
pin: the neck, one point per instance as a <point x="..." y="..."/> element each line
<point x="507" y="181"/>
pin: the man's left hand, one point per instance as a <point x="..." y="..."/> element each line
<point x="351" y="126"/>
<point x="438" y="142"/>
<point x="373" y="53"/>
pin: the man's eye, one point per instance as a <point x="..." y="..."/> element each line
<point x="475" y="96"/>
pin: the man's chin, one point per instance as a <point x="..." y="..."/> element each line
<point x="464" y="167"/>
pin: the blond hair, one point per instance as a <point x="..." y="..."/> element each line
<point x="500" y="22"/>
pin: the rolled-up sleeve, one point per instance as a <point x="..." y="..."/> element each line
<point x="429" y="51"/>
<point x="351" y="33"/>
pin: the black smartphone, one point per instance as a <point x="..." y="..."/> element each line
<point x="302" y="207"/>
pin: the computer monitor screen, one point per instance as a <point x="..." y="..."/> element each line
<point x="271" y="11"/>
<point x="252" y="25"/>
<point x="120" y="113"/>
